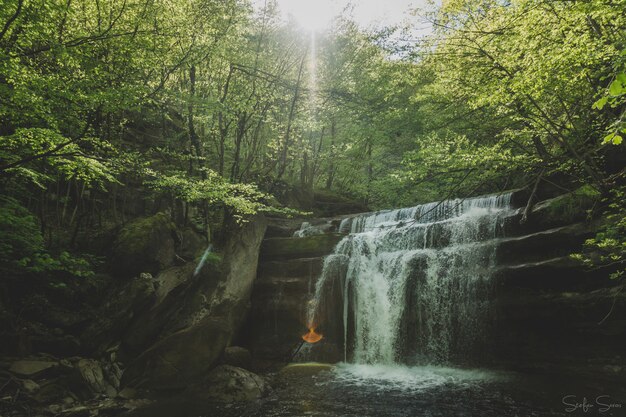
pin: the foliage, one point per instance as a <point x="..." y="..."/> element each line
<point x="508" y="94"/>
<point x="113" y="110"/>
<point x="608" y="247"/>
<point x="22" y="247"/>
<point x="243" y="199"/>
<point x="615" y="98"/>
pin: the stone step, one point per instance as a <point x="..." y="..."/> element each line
<point x="556" y="274"/>
<point x="539" y="246"/>
<point x="282" y="248"/>
<point x="279" y="227"/>
<point x="272" y="285"/>
<point x="292" y="267"/>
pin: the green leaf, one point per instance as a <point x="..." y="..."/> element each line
<point x="617" y="88"/>
<point x="600" y="103"/>
<point x="617" y="140"/>
<point x="608" y="138"/>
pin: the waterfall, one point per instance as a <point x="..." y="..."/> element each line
<point x="415" y="281"/>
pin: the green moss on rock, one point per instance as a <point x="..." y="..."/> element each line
<point x="144" y="245"/>
<point x="566" y="209"/>
<point x="300" y="247"/>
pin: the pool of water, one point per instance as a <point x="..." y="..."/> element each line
<point x="427" y="391"/>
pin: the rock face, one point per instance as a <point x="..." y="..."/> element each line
<point x="288" y="270"/>
<point x="30" y="368"/>
<point x="229" y="384"/>
<point x="121" y="306"/>
<point x="144" y="245"/>
<point x="197" y="314"/>
<point x="549" y="311"/>
<point x="181" y="357"/>
<point x="237" y="356"/>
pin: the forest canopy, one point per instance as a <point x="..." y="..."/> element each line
<point x="216" y="110"/>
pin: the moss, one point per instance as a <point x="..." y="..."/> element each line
<point x="144" y="245"/>
<point x="568" y="208"/>
<point x="136" y="234"/>
<point x="311" y="246"/>
<point x="212" y="258"/>
<point x="330" y="197"/>
<point x="328" y="204"/>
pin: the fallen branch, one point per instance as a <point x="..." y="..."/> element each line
<point x="531" y="200"/>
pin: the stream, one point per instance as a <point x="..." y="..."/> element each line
<point x="350" y="390"/>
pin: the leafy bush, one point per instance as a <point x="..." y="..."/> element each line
<point x="608" y="247"/>
<point x="22" y="248"/>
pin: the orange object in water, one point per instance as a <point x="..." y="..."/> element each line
<point x="312" y="337"/>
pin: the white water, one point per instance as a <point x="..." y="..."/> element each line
<point x="415" y="281"/>
<point x="404" y="378"/>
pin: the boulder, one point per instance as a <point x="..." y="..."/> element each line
<point x="191" y="244"/>
<point x="144" y="245"/>
<point x="177" y="360"/>
<point x="29" y="386"/>
<point x="303" y="370"/>
<point x="171" y="288"/>
<point x="326" y="204"/>
<point x="279" y="227"/>
<point x="198" y="318"/>
<point x="92" y="375"/>
<point x="31" y="368"/>
<point x="171" y="278"/>
<point x="229" y="384"/>
<point x="237" y="356"/>
<point x="114" y="316"/>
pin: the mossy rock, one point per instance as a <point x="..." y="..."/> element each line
<point x="566" y="209"/>
<point x="144" y="245"/>
<point x="192" y="244"/>
<point x="299" y="247"/>
<point x="329" y="204"/>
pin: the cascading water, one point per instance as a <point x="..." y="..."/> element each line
<point x="415" y="281"/>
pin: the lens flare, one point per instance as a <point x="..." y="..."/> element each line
<point x="312" y="337"/>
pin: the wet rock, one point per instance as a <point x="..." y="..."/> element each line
<point x="229" y="384"/>
<point x="301" y="370"/>
<point x="144" y="245"/>
<point x="323" y="351"/>
<point x="538" y="246"/>
<point x="237" y="356"/>
<point x="308" y="229"/>
<point x="31" y="368"/>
